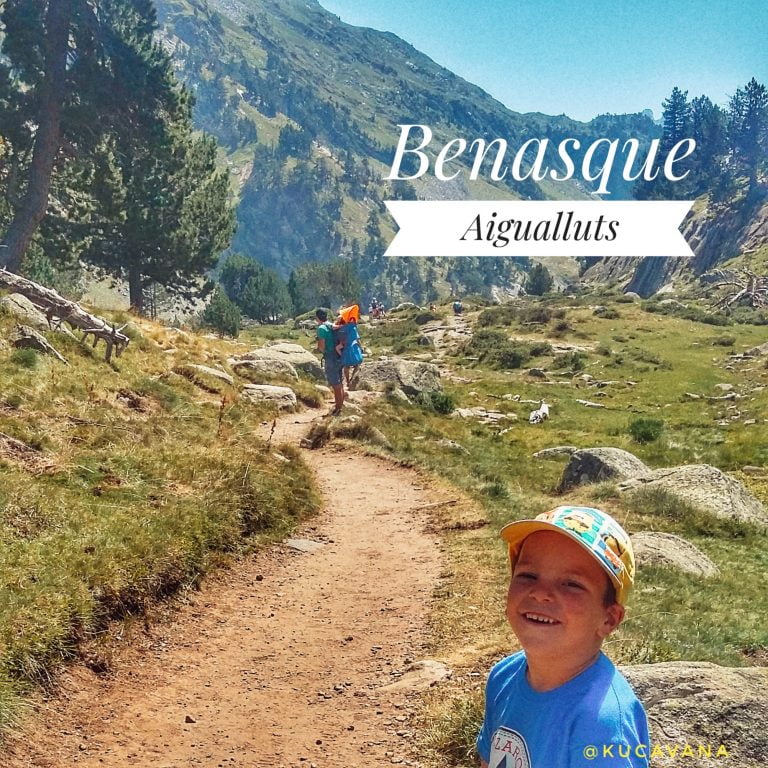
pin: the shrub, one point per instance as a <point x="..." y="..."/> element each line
<point x="644" y="430"/>
<point x="609" y="313"/>
<point x="535" y="315"/>
<point x="426" y="317"/>
<point x="25" y="357"/>
<point x="539" y="348"/>
<point x="221" y="315"/>
<point x="510" y="356"/>
<point x="439" y="402"/>
<point x="561" y="327"/>
<point x="574" y="360"/>
<point x="723" y="341"/>
<point x="505" y="314"/>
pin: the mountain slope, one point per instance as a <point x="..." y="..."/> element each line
<point x="307" y="109"/>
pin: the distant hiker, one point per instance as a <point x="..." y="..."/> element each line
<point x="432" y="308"/>
<point x="331" y="359"/>
<point x="348" y="340"/>
<point x="457" y="307"/>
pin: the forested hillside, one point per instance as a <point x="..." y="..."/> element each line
<point x="307" y="109"/>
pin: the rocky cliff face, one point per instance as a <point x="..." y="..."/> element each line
<point x="714" y="236"/>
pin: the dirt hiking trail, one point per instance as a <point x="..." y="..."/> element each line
<point x="282" y="660"/>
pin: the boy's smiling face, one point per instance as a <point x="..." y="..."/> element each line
<point x="556" y="600"/>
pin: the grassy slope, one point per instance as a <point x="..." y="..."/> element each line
<point x="137" y="481"/>
<point x="671" y="615"/>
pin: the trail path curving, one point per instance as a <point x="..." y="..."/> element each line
<point x="281" y="661"/>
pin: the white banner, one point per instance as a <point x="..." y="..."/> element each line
<point x="539" y="228"/>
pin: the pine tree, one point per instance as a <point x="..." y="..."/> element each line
<point x="708" y="129"/>
<point x="748" y="129"/>
<point x="166" y="216"/>
<point x="77" y="71"/>
<point x="539" y="281"/>
<point x="221" y="314"/>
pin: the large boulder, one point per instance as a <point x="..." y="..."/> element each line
<point x="205" y="377"/>
<point x="699" y="703"/>
<point x="706" y="488"/>
<point x="670" y="551"/>
<point x="593" y="465"/>
<point x="282" y="397"/>
<point x="408" y="375"/>
<point x="262" y="367"/>
<point x="300" y="358"/>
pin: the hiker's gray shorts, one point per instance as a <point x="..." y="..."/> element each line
<point x="333" y="370"/>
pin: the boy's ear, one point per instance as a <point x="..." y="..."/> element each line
<point x="614" y="615"/>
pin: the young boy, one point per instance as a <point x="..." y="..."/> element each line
<point x="560" y="702"/>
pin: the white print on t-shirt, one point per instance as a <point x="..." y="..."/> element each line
<point x="509" y="750"/>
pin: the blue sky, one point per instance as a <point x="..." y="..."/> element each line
<point x="582" y="58"/>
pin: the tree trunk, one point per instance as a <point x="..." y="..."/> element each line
<point x="48" y="136"/>
<point x="136" y="290"/>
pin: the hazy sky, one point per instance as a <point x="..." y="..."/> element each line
<point x="582" y="57"/>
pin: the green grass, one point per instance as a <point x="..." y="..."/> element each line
<point x="652" y="361"/>
<point x="134" y="484"/>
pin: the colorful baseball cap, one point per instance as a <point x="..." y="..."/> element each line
<point x="596" y="531"/>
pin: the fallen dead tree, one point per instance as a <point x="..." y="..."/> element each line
<point x="59" y="310"/>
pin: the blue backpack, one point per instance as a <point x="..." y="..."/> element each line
<point x="352" y="353"/>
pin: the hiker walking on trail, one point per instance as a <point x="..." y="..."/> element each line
<point x="458" y="307"/>
<point x="331" y="359"/>
<point x="348" y="346"/>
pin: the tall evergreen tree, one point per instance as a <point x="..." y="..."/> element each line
<point x="539" y="281"/>
<point x="748" y="129"/>
<point x="165" y="214"/>
<point x="708" y="129"/>
<point x="77" y="70"/>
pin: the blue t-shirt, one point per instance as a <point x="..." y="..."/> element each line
<point x="592" y="721"/>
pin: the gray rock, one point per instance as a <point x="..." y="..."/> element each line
<point x="706" y="488"/>
<point x="419" y="676"/>
<point x="27" y="313"/>
<point x="264" y="367"/>
<point x="283" y="397"/>
<point x="671" y="303"/>
<point x="304" y="545"/>
<point x="294" y="354"/>
<point x="593" y="465"/>
<point x="632" y="295"/>
<point x="410" y="376"/>
<point x="555" y="452"/>
<point x="404" y="305"/>
<point x="206" y="370"/>
<point x="758" y="351"/>
<point x="703" y="703"/>
<point x="24" y="310"/>
<point x="452" y="445"/>
<point x="668" y="550"/>
<point x="398" y="395"/>
<point x="25" y="337"/>
<point x="483" y="415"/>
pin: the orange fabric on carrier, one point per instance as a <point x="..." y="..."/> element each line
<point x="351" y="313"/>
